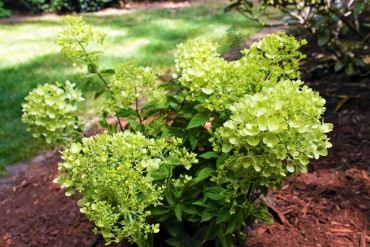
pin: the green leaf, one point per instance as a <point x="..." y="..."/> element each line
<point x="170" y="86"/>
<point x="113" y="128"/>
<point x="222" y="158"/>
<point x="174" y="231"/>
<point x="148" y="105"/>
<point x="127" y="113"/>
<point x="75" y="148"/>
<point x="172" y="99"/>
<point x="323" y="37"/>
<point x="359" y="62"/>
<point x="236" y="222"/>
<point x="214" y="193"/>
<point x="108" y="71"/>
<point x="207" y="214"/>
<point x="264" y="190"/>
<point x="178" y="212"/>
<point x="201" y="235"/>
<point x="200" y="202"/>
<point x="222" y="238"/>
<point x="159" y="210"/>
<point x="226" y="147"/>
<point x="321" y="20"/>
<point x="290" y="168"/>
<point x="91" y="68"/>
<point x="262" y="213"/>
<point x="174" y="242"/>
<point x="199" y="119"/>
<point x="340" y="64"/>
<point x="81" y="202"/>
<point x="88" y="84"/>
<point x="350" y="69"/>
<point x="224" y="215"/>
<point x="136" y="126"/>
<point x="187" y="112"/>
<point x="193" y="139"/>
<point x="212" y="230"/>
<point x="169" y="196"/>
<point x="201" y="99"/>
<point x="241" y="239"/>
<point x="302" y="168"/>
<point x="227" y="9"/>
<point x="246" y="161"/>
<point x="68" y="193"/>
<point x="230" y="7"/>
<point x="203" y="174"/>
<point x="190" y="209"/>
<point x="208" y="155"/>
<point x="99" y="93"/>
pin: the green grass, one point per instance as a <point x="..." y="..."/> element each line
<point x="29" y="56"/>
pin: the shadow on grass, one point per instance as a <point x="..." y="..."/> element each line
<point x="148" y="37"/>
<point x="16" y="82"/>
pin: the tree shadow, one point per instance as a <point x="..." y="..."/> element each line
<point x="16" y="82"/>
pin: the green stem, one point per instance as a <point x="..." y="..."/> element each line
<point x="96" y="71"/>
<point x="257" y="196"/>
<point x="249" y="191"/>
<point x="137" y="107"/>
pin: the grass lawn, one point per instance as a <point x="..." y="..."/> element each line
<point x="29" y="56"/>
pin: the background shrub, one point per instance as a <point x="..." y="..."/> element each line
<point x="4" y="12"/>
<point x="61" y="6"/>
<point x="341" y="27"/>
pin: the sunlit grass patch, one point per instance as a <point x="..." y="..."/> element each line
<point x="29" y="56"/>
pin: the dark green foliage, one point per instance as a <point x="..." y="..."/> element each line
<point x="234" y="37"/>
<point x="4" y="12"/>
<point x="340" y="27"/>
<point x="61" y="6"/>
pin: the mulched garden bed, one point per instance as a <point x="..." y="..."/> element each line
<point x="328" y="206"/>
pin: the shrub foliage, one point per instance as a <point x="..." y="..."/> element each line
<point x="341" y="27"/>
<point x="61" y="6"/>
<point x="189" y="166"/>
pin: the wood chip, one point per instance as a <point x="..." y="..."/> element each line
<point x="304" y="210"/>
<point x="335" y="223"/>
<point x="282" y="198"/>
<point x="280" y="217"/>
<point x="287" y="211"/>
<point x="364" y="174"/>
<point x="363" y="236"/>
<point x="354" y="224"/>
<point x="341" y="230"/>
<point x="261" y="231"/>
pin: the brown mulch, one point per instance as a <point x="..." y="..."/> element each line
<point x="35" y="212"/>
<point x="328" y="206"/>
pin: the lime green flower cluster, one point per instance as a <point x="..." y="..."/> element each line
<point x="50" y="113"/>
<point x="79" y="42"/>
<point x="274" y="132"/>
<point x="202" y="72"/>
<point x="274" y="58"/>
<point x="129" y="83"/>
<point x="194" y="63"/>
<point x="118" y="177"/>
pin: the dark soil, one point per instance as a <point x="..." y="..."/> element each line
<point x="328" y="206"/>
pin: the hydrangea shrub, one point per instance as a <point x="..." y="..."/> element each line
<point x="50" y="113"/>
<point x="192" y="165"/>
